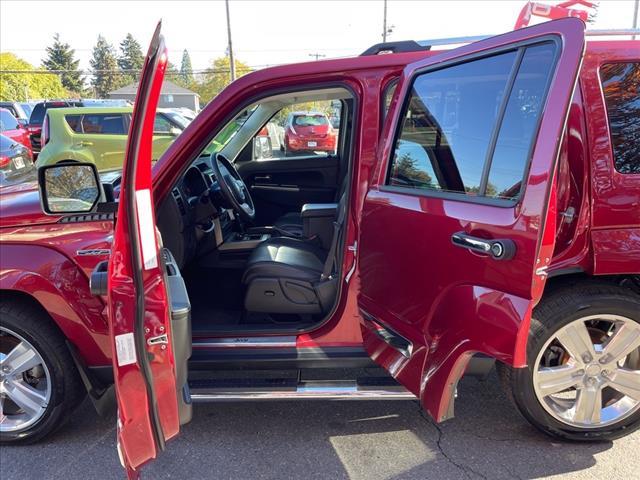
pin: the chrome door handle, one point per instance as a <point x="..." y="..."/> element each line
<point x="502" y="249"/>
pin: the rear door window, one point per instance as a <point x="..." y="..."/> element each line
<point x="103" y="123"/>
<point x="468" y="128"/>
<point x="74" y="122"/>
<point x="621" y="88"/>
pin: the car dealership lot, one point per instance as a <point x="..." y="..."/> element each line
<point x="356" y="440"/>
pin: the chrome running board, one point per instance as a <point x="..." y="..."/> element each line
<point x="304" y="390"/>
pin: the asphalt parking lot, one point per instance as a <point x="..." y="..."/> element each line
<point x="336" y="440"/>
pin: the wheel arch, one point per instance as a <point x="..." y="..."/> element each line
<point x="48" y="280"/>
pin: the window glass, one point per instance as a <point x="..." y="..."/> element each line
<point x="300" y="130"/>
<point x="7" y="121"/>
<point x="103" y="123"/>
<point x="517" y="130"/>
<point x="162" y="124"/>
<point x="388" y="96"/>
<point x="74" y="122"/>
<point x="621" y="87"/>
<point x="449" y="119"/>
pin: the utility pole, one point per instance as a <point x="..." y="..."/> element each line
<point x="635" y="16"/>
<point x="317" y="55"/>
<point x="230" y="47"/>
<point x="384" y="23"/>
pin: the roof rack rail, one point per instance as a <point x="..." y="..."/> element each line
<point x="425" y="45"/>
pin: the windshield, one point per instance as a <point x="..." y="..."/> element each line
<point x="7" y="121"/>
<point x="177" y="118"/>
<point x="228" y="132"/>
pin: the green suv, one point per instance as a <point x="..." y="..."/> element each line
<point x="99" y="135"/>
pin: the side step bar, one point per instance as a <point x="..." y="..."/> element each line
<point x="277" y="389"/>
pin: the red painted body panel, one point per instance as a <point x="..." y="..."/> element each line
<point x="615" y="206"/>
<point x="147" y="404"/>
<point x="448" y="302"/>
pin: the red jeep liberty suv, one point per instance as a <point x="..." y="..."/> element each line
<point x="482" y="206"/>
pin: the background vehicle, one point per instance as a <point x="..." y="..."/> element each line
<point x="98" y="135"/>
<point x="17" y="110"/>
<point x="16" y="162"/>
<point x="28" y="108"/>
<point x="37" y="117"/>
<point x="309" y="132"/>
<point x="438" y="259"/>
<point x="10" y="127"/>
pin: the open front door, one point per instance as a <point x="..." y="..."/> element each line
<point x="458" y="226"/>
<point x="148" y="306"/>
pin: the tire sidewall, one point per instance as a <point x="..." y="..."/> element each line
<point x="523" y="388"/>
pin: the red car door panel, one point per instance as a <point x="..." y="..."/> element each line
<point x="139" y="304"/>
<point x="430" y="296"/>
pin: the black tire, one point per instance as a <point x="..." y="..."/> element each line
<point x="556" y="310"/>
<point x="67" y="391"/>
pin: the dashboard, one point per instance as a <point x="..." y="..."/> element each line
<point x="193" y="219"/>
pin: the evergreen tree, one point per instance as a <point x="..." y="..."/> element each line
<point x="186" y="71"/>
<point x="60" y="56"/>
<point x="131" y="58"/>
<point x="105" y="68"/>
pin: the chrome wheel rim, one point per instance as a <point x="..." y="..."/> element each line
<point x="25" y="383"/>
<point x="587" y="375"/>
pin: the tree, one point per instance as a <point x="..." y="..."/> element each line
<point x="105" y="68"/>
<point x="186" y="71"/>
<point x="131" y="58"/>
<point x="218" y="77"/>
<point x="60" y="56"/>
<point x="24" y="86"/>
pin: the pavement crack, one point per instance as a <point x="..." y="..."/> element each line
<point x="467" y="470"/>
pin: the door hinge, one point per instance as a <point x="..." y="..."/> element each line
<point x="159" y="340"/>
<point x="568" y="215"/>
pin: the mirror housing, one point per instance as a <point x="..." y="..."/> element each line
<point x="67" y="188"/>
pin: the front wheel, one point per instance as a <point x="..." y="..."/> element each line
<point x="39" y="383"/>
<point x="583" y="376"/>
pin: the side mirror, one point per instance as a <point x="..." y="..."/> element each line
<point x="175" y="131"/>
<point x="262" y="148"/>
<point x="69" y="188"/>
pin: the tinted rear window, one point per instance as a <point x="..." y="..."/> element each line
<point x="74" y="122"/>
<point x="37" y="115"/>
<point x="5" y="142"/>
<point x="621" y="87"/>
<point x="469" y="128"/>
<point x="105" y="124"/>
<point x="309" y="120"/>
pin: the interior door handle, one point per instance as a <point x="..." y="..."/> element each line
<point x="502" y="249"/>
<point x="262" y="178"/>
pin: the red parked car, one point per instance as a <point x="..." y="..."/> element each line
<point x="309" y="132"/>
<point x="481" y="208"/>
<point x="10" y="127"/>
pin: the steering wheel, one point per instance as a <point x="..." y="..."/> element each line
<point x="232" y="187"/>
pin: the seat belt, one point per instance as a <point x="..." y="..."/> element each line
<point x="330" y="262"/>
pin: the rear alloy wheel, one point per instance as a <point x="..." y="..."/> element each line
<point x="583" y="378"/>
<point x="588" y="373"/>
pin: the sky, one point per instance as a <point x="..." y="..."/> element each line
<point x="264" y="32"/>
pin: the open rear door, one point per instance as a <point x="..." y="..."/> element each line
<point x="148" y="306"/>
<point x="458" y="225"/>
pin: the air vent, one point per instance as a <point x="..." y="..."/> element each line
<point x="176" y="194"/>
<point x="89" y="217"/>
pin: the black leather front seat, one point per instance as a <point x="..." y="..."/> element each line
<point x="291" y="275"/>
